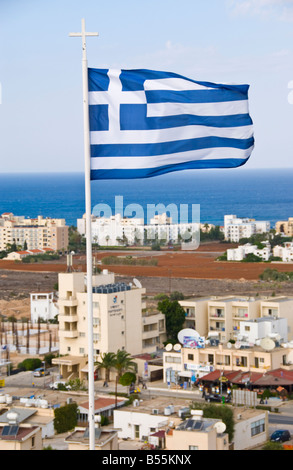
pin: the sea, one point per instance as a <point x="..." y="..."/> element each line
<point x="262" y="194"/>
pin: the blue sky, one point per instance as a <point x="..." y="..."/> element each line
<point x="237" y="41"/>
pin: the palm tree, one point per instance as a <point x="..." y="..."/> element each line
<point x="123" y="362"/>
<point x="107" y="362"/>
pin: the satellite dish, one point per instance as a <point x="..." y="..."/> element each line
<point x="187" y="332"/>
<point x="220" y="427"/>
<point x="237" y="345"/>
<point x="137" y="283"/>
<point x="229" y="345"/>
<point x="177" y="347"/>
<point x="268" y="344"/>
<point x="169" y="347"/>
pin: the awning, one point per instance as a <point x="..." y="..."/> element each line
<point x="86" y="368"/>
<point x="186" y="373"/>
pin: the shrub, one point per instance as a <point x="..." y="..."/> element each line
<point x="65" y="418"/>
<point x="30" y="364"/>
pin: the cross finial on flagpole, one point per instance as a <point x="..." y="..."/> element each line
<point x="89" y="261"/>
<point x="83" y="35"/>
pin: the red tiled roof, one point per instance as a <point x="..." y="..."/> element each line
<point x="273" y="377"/>
<point x="101" y="403"/>
<point x="159" y="434"/>
<point x="216" y="374"/>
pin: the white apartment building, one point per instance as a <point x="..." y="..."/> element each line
<point x="119" y="321"/>
<point x="114" y="230"/>
<point x="118" y="230"/>
<point x="279" y="307"/>
<point x="236" y="228"/>
<point x="221" y="317"/>
<point x="285" y="252"/>
<point x="240" y="253"/>
<point x="252" y="332"/>
<point x="44" y="306"/>
<point x="37" y="233"/>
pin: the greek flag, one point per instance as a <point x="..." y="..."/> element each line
<point x="145" y="123"/>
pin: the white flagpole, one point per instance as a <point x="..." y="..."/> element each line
<point x="89" y="260"/>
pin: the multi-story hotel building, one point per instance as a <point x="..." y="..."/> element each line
<point x="233" y="329"/>
<point x="285" y="227"/>
<point x="120" y="321"/>
<point x="221" y="315"/>
<point x="236" y="228"/>
<point x="118" y="230"/>
<point x="37" y="233"/>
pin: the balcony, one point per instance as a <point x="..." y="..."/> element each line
<point x="68" y="318"/>
<point x="68" y="334"/>
<point x="70" y="301"/>
<point x="150" y="334"/>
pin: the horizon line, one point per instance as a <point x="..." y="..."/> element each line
<point x="175" y="172"/>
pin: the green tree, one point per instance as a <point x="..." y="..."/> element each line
<point x="273" y="446"/>
<point x="108" y="361"/>
<point x="176" y="295"/>
<point x="123" y="363"/>
<point x="127" y="379"/>
<point x="223" y="412"/>
<point x="76" y="242"/>
<point x="252" y="258"/>
<point x="175" y="317"/>
<point x="65" y="418"/>
<point x="30" y="364"/>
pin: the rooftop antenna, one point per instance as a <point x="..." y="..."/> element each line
<point x="137" y="283"/>
<point x="267" y="344"/>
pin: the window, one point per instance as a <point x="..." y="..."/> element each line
<point x="192" y="447"/>
<point x="211" y="358"/>
<point x="227" y="360"/>
<point x="136" y="431"/>
<point x="96" y="321"/>
<point x="257" y="427"/>
<point x="190" y="357"/>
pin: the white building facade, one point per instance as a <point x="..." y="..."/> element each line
<point x="240" y="253"/>
<point x="236" y="228"/>
<point x="44" y="306"/>
<point x="118" y="230"/>
<point x="285" y="252"/>
<point x="255" y="330"/>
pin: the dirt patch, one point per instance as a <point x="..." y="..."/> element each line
<point x="197" y="265"/>
<point x="193" y="273"/>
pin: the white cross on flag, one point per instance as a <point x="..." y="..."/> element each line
<point x="145" y="123"/>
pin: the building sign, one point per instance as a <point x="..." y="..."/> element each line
<point x="193" y="342"/>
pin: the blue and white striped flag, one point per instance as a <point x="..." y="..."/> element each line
<point x="146" y="123"/>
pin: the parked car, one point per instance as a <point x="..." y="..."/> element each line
<point x="40" y="372"/>
<point x="281" y="435"/>
<point x="59" y="384"/>
<point x="217" y="398"/>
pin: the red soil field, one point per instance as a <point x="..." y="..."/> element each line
<point x="200" y="264"/>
